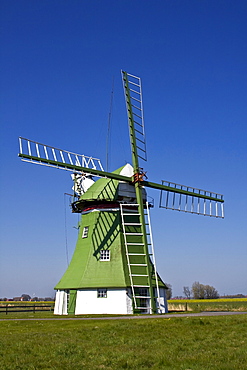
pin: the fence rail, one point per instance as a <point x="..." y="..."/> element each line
<point x="8" y="308"/>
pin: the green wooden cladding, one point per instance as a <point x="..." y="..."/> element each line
<point x="86" y="270"/>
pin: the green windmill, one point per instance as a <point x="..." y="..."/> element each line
<point x="113" y="267"/>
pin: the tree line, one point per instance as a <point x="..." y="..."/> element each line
<point x="200" y="291"/>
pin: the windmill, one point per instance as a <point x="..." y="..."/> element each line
<point x="113" y="267"/>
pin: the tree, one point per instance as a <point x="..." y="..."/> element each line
<point x="169" y="291"/>
<point x="200" y="291"/>
<point x="210" y="292"/>
<point x="187" y="292"/>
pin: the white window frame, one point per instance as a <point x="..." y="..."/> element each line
<point x="85" y="232"/>
<point x="105" y="255"/>
<point x="102" y="293"/>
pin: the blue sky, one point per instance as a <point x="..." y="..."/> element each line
<point x="58" y="63"/>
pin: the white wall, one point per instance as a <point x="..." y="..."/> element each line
<point x="162" y="301"/>
<point x="61" y="303"/>
<point x="117" y="302"/>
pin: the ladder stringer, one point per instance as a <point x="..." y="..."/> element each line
<point x="150" y="242"/>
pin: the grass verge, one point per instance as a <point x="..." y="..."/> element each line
<point x="177" y="343"/>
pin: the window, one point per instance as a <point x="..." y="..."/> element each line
<point x="143" y="292"/>
<point x="102" y="293"/>
<point x="104" y="255"/>
<point x="85" y="232"/>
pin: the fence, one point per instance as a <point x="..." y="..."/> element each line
<point x="8" y="308"/>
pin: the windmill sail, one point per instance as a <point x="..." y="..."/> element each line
<point x="34" y="152"/>
<point x="191" y="200"/>
<point x="133" y="99"/>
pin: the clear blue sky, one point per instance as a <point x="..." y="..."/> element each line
<point x="58" y="62"/>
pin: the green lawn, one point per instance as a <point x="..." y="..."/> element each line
<point x="177" y="343"/>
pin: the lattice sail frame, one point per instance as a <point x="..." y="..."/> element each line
<point x="191" y="200"/>
<point x="133" y="99"/>
<point x="34" y="152"/>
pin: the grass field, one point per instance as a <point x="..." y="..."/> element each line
<point x="177" y="343"/>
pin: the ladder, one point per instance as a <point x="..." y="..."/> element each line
<point x="136" y="257"/>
